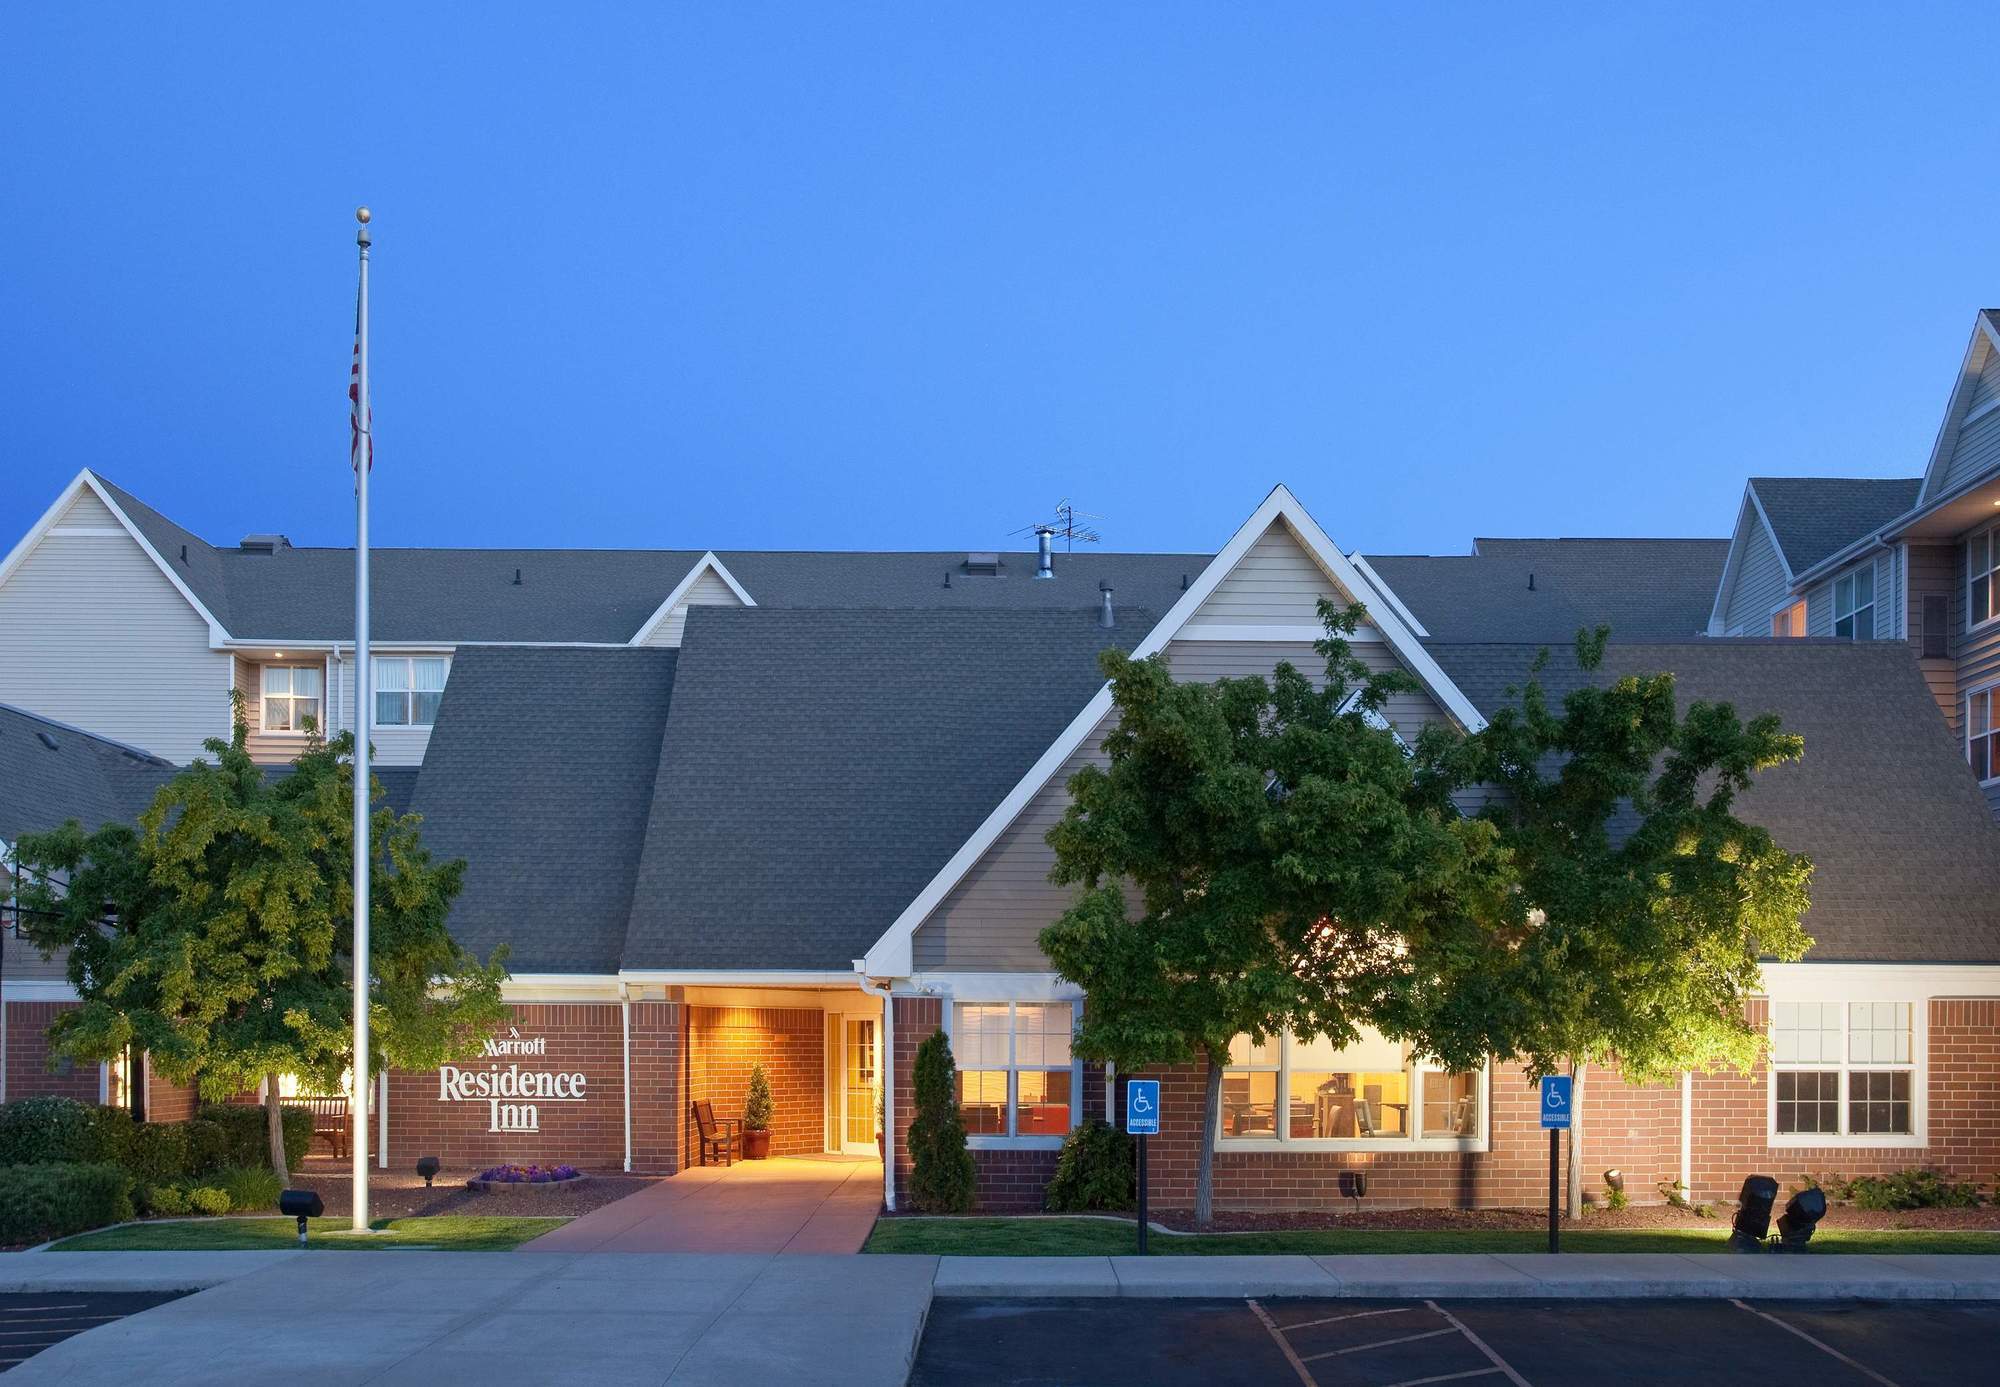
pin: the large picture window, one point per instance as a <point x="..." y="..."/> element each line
<point x="1843" y="1070"/>
<point x="291" y="698"/>
<point x="1016" y="1075"/>
<point x="1854" y="605"/>
<point x="1290" y="1090"/>
<point x="408" y="690"/>
<point x="1982" y="559"/>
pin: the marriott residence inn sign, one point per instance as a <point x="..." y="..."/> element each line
<point x="513" y="1093"/>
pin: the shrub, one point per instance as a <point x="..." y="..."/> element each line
<point x="209" y="1201"/>
<point x="1096" y="1170"/>
<point x="47" y="1200"/>
<point x="252" y="1189"/>
<point x="166" y="1200"/>
<point x="757" y="1105"/>
<point x="1910" y="1189"/>
<point x="244" y="1142"/>
<point x="38" y="1130"/>
<point x="1615" y="1200"/>
<point x="157" y="1152"/>
<point x="941" y="1181"/>
<point x="208" y="1145"/>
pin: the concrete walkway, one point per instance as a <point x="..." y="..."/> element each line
<point x="791" y="1204"/>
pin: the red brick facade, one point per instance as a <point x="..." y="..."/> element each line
<point x="28" y="1071"/>
<point x="724" y="1043"/>
<point x="167" y="1102"/>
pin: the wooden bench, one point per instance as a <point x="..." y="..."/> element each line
<point x="717" y="1138"/>
<point x="329" y="1122"/>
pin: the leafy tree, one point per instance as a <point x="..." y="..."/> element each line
<point x="941" y="1175"/>
<point x="1644" y="902"/>
<point x="757" y="1104"/>
<point x="216" y="935"/>
<point x="1288" y="864"/>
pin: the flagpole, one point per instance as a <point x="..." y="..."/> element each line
<point x="364" y="708"/>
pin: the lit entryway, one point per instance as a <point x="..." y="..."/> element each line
<point x="859" y="1088"/>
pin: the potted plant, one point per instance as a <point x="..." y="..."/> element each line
<point x="757" y="1116"/>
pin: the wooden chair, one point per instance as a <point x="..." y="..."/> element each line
<point x="329" y="1122"/>
<point x="717" y="1138"/>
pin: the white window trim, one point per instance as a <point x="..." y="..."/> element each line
<point x="264" y="727"/>
<point x="1480" y="1140"/>
<point x="1965" y="724"/>
<point x="986" y="1142"/>
<point x="1872" y="606"/>
<point x="1967" y="576"/>
<point x="1920" y="1049"/>
<point x="375" y="663"/>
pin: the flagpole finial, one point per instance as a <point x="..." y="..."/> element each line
<point x="361" y="237"/>
<point x="363" y="215"/>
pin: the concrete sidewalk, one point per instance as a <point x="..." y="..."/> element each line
<point x="787" y="1204"/>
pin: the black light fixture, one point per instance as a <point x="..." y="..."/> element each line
<point x="301" y="1205"/>
<point x="428" y="1167"/>
<point x="1614" y="1179"/>
<point x="1354" y="1184"/>
<point x="1753" y="1214"/>
<point x="1802" y="1211"/>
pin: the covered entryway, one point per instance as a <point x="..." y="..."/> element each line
<point x="788" y="1204"/>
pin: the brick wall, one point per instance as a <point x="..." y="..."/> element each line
<point x="790" y="1042"/>
<point x="28" y="1072"/>
<point x="916" y="1018"/>
<point x="167" y="1102"/>
<point x="659" y="1102"/>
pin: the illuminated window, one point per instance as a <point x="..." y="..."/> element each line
<point x="291" y="698"/>
<point x="1289" y="1089"/>
<point x="1016" y="1072"/>
<point x="1789" y="620"/>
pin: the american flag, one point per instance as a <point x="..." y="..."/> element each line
<point x="354" y="407"/>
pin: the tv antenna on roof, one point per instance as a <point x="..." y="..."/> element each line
<point x="1068" y="526"/>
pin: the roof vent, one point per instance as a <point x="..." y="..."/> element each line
<point x="1045" y="555"/>
<point x="263" y="544"/>
<point x="981" y="563"/>
<point x="517" y="577"/>
<point x="50" y="742"/>
<point x="1105" y="618"/>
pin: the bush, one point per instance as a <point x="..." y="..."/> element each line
<point x="941" y="1181"/>
<point x="243" y="1141"/>
<point x="208" y="1145"/>
<point x="757" y="1105"/>
<point x="1615" y="1200"/>
<point x="166" y="1200"/>
<point x="209" y="1201"/>
<point x="46" y="1200"/>
<point x="35" y="1131"/>
<point x="252" y="1189"/>
<point x="1096" y="1170"/>
<point x="1910" y="1189"/>
<point x="158" y="1152"/>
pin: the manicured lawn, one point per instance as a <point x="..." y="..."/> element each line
<point x="448" y="1232"/>
<point x="1077" y="1237"/>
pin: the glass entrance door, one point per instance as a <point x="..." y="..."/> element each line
<point x="858" y="1081"/>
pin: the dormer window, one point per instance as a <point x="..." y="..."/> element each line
<point x="291" y="697"/>
<point x="1854" y="605"/>
<point x="1982" y="559"/>
<point x="408" y="690"/>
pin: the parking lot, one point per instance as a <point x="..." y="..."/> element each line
<point x="1408" y="1343"/>
<point x="29" y="1323"/>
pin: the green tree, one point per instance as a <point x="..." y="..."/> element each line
<point x="1288" y="863"/>
<point x="1644" y="901"/>
<point x="216" y="934"/>
<point x="941" y="1173"/>
<point x="757" y="1103"/>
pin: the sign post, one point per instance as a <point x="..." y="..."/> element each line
<point x="1555" y="1118"/>
<point x="1142" y="1120"/>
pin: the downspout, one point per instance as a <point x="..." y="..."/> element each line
<point x="888" y="1088"/>
<point x="625" y="1039"/>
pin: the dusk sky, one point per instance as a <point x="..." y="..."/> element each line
<point x="900" y="278"/>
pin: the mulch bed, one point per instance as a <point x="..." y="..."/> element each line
<point x="1985" y="1217"/>
<point x="401" y="1194"/>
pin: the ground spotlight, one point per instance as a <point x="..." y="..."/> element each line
<point x="1354" y="1184"/>
<point x="1753" y="1214"/>
<point x="428" y="1167"/>
<point x="1614" y="1179"/>
<point x="301" y="1205"/>
<point x="1795" y="1228"/>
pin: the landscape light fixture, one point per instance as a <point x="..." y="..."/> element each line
<point x="301" y="1205"/>
<point x="1614" y="1179"/>
<point x="1753" y="1214"/>
<point x="428" y="1167"/>
<point x="1354" y="1184"/>
<point x="1802" y="1211"/>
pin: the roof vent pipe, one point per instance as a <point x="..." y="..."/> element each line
<point x="1531" y="582"/>
<point x="1104" y="615"/>
<point x="1045" y="551"/>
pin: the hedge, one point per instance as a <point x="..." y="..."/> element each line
<point x="37" y="1131"/>
<point x="48" y="1200"/>
<point x="243" y="1139"/>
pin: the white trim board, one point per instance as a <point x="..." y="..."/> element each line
<point x="707" y="563"/>
<point x="891" y="955"/>
<point x="1725" y="589"/>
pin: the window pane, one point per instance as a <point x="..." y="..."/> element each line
<point x="1808" y="1101"/>
<point x="1864" y="586"/>
<point x="1978" y="710"/>
<point x="277" y="714"/>
<point x="1805" y="1032"/>
<point x="979" y="1036"/>
<point x="1878" y="1033"/>
<point x="1243" y="1050"/>
<point x="1041" y="1032"/>
<point x="392" y="675"/>
<point x="1864" y="624"/>
<point x="277" y="679"/>
<point x="1451" y="1104"/>
<point x="305" y="708"/>
<point x="1349" y="1103"/>
<point x="1249" y="1103"/>
<point x="982" y="1101"/>
<point x="1041" y="1103"/>
<point x="1844" y="628"/>
<point x="424" y="708"/>
<point x="1370" y="1050"/>
<point x="306" y="682"/>
<point x="1843" y="596"/>
<point x="1879" y="1101"/>
<point x="427" y="676"/>
<point x="1976" y="605"/>
<point x="392" y="710"/>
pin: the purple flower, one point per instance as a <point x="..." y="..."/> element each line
<point x="529" y="1174"/>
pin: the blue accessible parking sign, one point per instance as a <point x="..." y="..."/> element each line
<point x="1555" y="1102"/>
<point x="1142" y="1107"/>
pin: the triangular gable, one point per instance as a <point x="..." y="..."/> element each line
<point x="1750" y="518"/>
<point x="83" y="505"/>
<point x="891" y="954"/>
<point x="705" y="583"/>
<point x="1975" y="401"/>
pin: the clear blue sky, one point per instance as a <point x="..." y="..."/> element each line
<point x="836" y="277"/>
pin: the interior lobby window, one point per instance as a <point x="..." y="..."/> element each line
<point x="1016" y="1075"/>
<point x="1289" y="1089"/>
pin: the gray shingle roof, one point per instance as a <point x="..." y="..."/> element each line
<point x="1644" y="588"/>
<point x="1814" y="516"/>
<point x="1906" y="853"/>
<point x="820" y="766"/>
<point x="82" y="777"/>
<point x="539" y="774"/>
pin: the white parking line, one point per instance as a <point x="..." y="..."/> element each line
<point x="1283" y="1347"/>
<point x="1480" y="1344"/>
<point x="1822" y="1346"/>
<point x="1379" y="1343"/>
<point x="1335" y="1319"/>
<point x="1443" y="1377"/>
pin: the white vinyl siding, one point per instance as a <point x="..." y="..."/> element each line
<point x="1977" y="447"/>
<point x="394" y="746"/>
<point x="1276" y="583"/>
<point x="706" y="591"/>
<point x="1760" y="581"/>
<point x="93" y="634"/>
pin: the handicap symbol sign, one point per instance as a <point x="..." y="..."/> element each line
<point x="1555" y="1101"/>
<point x="1142" y="1107"/>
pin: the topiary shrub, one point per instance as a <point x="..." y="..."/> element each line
<point x="942" y="1178"/>
<point x="252" y="1189"/>
<point x="1910" y="1189"/>
<point x="38" y="1202"/>
<point x="1096" y="1170"/>
<point x="757" y="1103"/>
<point x="244" y="1142"/>
<point x="209" y="1201"/>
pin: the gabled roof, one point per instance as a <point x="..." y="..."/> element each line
<point x="51" y="772"/>
<point x="818" y="767"/>
<point x="1984" y="342"/>
<point x="1905" y="850"/>
<point x="540" y="773"/>
<point x="1812" y="517"/>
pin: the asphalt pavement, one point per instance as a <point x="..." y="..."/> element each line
<point x="31" y="1323"/>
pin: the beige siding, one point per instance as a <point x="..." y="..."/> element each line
<point x="707" y="591"/>
<point x="26" y="964"/>
<point x="394" y="746"/>
<point x="92" y="633"/>
<point x="1207" y="660"/>
<point x="1933" y="571"/>
<point x="1760" y="581"/>
<point x="1276" y="583"/>
<point x="87" y="510"/>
